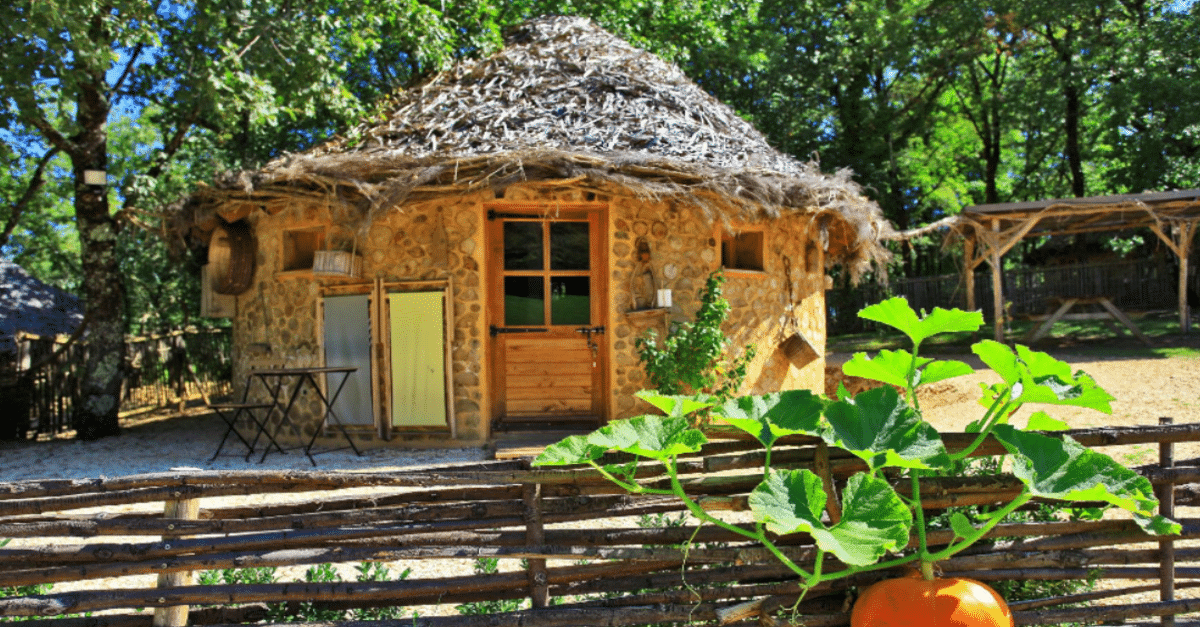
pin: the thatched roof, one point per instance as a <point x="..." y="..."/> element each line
<point x="563" y="100"/>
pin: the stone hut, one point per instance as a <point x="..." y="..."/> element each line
<point x="487" y="249"/>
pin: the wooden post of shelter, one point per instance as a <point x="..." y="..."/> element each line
<point x="969" y="264"/>
<point x="1166" y="546"/>
<point x="176" y="615"/>
<point x="1180" y="243"/>
<point x="535" y="537"/>
<point x="997" y="285"/>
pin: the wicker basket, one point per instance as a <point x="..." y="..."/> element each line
<point x="337" y="263"/>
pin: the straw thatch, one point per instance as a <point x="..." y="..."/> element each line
<point x="563" y="100"/>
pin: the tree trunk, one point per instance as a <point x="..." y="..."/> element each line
<point x="95" y="413"/>
<point x="1072" y="149"/>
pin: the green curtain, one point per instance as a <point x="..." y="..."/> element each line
<point x="418" y="359"/>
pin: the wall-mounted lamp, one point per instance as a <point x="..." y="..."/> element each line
<point x="95" y="177"/>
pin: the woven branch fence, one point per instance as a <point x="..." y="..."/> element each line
<point x="42" y="380"/>
<point x="586" y="561"/>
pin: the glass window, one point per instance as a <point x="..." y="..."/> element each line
<point x="524" y="300"/>
<point x="570" y="300"/>
<point x="569" y="246"/>
<point x="523" y="246"/>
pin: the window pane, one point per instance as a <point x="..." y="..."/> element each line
<point x="570" y="300"/>
<point x="569" y="246"/>
<point x="523" y="246"/>
<point x="524" y="301"/>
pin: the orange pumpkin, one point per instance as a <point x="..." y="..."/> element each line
<point x="917" y="602"/>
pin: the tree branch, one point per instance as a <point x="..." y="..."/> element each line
<point x="35" y="184"/>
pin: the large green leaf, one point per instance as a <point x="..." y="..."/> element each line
<point x="1036" y="377"/>
<point x="656" y="437"/>
<point x="879" y="427"/>
<point x="673" y="404"/>
<point x="874" y="518"/>
<point x="896" y="312"/>
<point x="1066" y="470"/>
<point x="892" y="368"/>
<point x="941" y="370"/>
<point x="772" y="416"/>
<point x="574" y="449"/>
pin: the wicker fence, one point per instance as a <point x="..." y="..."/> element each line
<point x="585" y="563"/>
<point x="1139" y="285"/>
<point x="41" y="383"/>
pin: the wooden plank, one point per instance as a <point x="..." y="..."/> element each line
<point x="582" y="367"/>
<point x="554" y="346"/>
<point x="1123" y="319"/>
<point x="549" y="406"/>
<point x="1041" y="331"/>
<point x="550" y="381"/>
<point x="549" y="394"/>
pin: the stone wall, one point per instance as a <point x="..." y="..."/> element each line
<point x="277" y="324"/>
<point x="685" y="248"/>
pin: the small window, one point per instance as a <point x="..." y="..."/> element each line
<point x="300" y="246"/>
<point x="742" y="251"/>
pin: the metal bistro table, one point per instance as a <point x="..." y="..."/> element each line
<point x="275" y="378"/>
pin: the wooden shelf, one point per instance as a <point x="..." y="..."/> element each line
<point x="638" y="314"/>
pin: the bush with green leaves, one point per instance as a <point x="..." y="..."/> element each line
<point x="691" y="358"/>
<point x="309" y="611"/>
<point x="885" y="429"/>
<point x="489" y="566"/>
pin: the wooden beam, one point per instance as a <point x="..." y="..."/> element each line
<point x="175" y="615"/>
<point x="1184" y="232"/>
<point x="969" y="270"/>
<point x="1123" y="319"/>
<point x="997" y="289"/>
<point x="1040" y="331"/>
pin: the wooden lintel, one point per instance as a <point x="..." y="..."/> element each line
<point x="234" y="211"/>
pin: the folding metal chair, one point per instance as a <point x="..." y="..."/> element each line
<point x="232" y="412"/>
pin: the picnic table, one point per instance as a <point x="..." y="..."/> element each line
<point x="1062" y="307"/>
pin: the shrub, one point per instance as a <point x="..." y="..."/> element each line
<point x="691" y="358"/>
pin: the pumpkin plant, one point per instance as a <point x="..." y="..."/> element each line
<point x="885" y="429"/>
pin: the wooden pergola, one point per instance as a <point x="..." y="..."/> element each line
<point x="990" y="231"/>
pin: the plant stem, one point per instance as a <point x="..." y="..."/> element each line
<point x="990" y="419"/>
<point x="911" y="389"/>
<point x="698" y="512"/>
<point x="996" y="519"/>
<point x="919" y="512"/>
<point x="634" y="488"/>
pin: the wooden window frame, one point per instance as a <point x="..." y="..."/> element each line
<point x="737" y="242"/>
<point x="290" y="260"/>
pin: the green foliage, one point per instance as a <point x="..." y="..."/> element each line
<point x="309" y="611"/>
<point x="22" y="591"/>
<point x="488" y="566"/>
<point x="691" y="359"/>
<point x="886" y="432"/>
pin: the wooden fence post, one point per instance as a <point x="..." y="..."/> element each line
<point x="177" y="615"/>
<point x="1166" y="546"/>
<point x="535" y="537"/>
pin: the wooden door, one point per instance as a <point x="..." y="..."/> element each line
<point x="546" y="312"/>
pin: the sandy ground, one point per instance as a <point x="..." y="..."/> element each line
<point x="1145" y="389"/>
